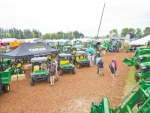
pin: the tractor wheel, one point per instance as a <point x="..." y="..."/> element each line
<point x="31" y="82"/>
<point x="19" y="64"/>
<point x="6" y="88"/>
<point x="60" y="71"/>
<point x="73" y="71"/>
<point x="78" y="65"/>
<point x="88" y="64"/>
<point x="13" y="65"/>
<point x="140" y="103"/>
<point x="48" y="79"/>
<point x="136" y="66"/>
<point x="136" y="77"/>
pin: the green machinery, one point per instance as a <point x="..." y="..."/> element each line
<point x="143" y="72"/>
<point x="68" y="43"/>
<point x="51" y="44"/>
<point x="142" y="59"/>
<point x="80" y="59"/>
<point x="64" y="63"/>
<point x="38" y="74"/>
<point x="5" y="78"/>
<point x="61" y="44"/>
<point x="140" y="51"/>
<point x="139" y="95"/>
<point x="67" y="49"/>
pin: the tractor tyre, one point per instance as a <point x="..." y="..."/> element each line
<point x="136" y="77"/>
<point x="48" y="79"/>
<point x="73" y="71"/>
<point x="6" y="88"/>
<point x="31" y="82"/>
<point x="78" y="65"/>
<point x="136" y="66"/>
<point x="60" y="71"/>
<point x="88" y="64"/>
<point x="140" y="103"/>
<point x="13" y="65"/>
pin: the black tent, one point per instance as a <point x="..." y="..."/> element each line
<point x="30" y="50"/>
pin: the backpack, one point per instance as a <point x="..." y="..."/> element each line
<point x="52" y="68"/>
<point x="110" y="65"/>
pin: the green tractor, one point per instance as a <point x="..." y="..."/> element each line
<point x="15" y="68"/>
<point x="143" y="72"/>
<point x="130" y="62"/>
<point x="138" y="96"/>
<point x="5" y="78"/>
<point x="61" y="44"/>
<point x="80" y="59"/>
<point x="5" y="64"/>
<point x="68" y="43"/>
<point x="142" y="59"/>
<point x="64" y="63"/>
<point x="38" y="74"/>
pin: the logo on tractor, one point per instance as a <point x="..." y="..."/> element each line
<point x="37" y="48"/>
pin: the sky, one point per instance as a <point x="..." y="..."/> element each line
<point x="51" y="16"/>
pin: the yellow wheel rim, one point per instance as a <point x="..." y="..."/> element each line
<point x="13" y="65"/>
<point x="23" y="72"/>
<point x="8" y="88"/>
<point x="49" y="56"/>
<point x="19" y="65"/>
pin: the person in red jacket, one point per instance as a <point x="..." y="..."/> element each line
<point x="115" y="64"/>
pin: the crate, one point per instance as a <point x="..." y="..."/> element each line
<point x="21" y="76"/>
<point x="14" y="78"/>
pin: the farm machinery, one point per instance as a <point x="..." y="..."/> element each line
<point x="80" y="59"/>
<point x="140" y="51"/>
<point x="38" y="74"/>
<point x="5" y="78"/>
<point x="142" y="59"/>
<point x="139" y="95"/>
<point x="64" y="63"/>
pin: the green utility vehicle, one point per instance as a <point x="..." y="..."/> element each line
<point x="38" y="74"/>
<point x="67" y="49"/>
<point x="139" y="95"/>
<point x="61" y="44"/>
<point x="142" y="59"/>
<point x="130" y="62"/>
<point x="5" y="78"/>
<point x="143" y="72"/>
<point x="51" y="44"/>
<point x="68" y="43"/>
<point x="80" y="59"/>
<point x="64" y="63"/>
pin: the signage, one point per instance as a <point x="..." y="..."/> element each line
<point x="37" y="48"/>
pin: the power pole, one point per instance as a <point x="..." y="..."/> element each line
<point x="100" y="21"/>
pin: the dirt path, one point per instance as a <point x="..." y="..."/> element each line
<point x="71" y="94"/>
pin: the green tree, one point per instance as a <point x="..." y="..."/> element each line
<point x="138" y="33"/>
<point x="146" y="31"/>
<point x="113" y="33"/>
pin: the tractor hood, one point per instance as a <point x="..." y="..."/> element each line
<point x="66" y="65"/>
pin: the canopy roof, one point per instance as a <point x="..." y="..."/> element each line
<point x="30" y="50"/>
<point x="142" y="41"/>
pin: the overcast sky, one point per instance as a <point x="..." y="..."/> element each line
<point x="50" y="16"/>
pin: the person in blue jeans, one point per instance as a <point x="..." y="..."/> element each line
<point x="95" y="58"/>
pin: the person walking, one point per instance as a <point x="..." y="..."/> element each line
<point x="95" y="54"/>
<point x="52" y="72"/>
<point x="115" y="65"/>
<point x="56" y="76"/>
<point x="89" y="57"/>
<point x="101" y="67"/>
<point x="97" y="60"/>
<point x="112" y="69"/>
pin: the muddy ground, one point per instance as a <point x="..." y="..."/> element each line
<point x="73" y="93"/>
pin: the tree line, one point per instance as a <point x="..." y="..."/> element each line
<point x="63" y="35"/>
<point x="27" y="33"/>
<point x="134" y="33"/>
<point x="20" y="34"/>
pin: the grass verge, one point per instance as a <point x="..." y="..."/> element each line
<point x="130" y="81"/>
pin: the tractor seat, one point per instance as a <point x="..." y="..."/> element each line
<point x="81" y="57"/>
<point x="64" y="62"/>
<point x="36" y="67"/>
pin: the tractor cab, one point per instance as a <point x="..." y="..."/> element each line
<point x="39" y="70"/>
<point x="51" y="44"/>
<point x="81" y="59"/>
<point x="64" y="63"/>
<point x="142" y="59"/>
<point x="68" y="43"/>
